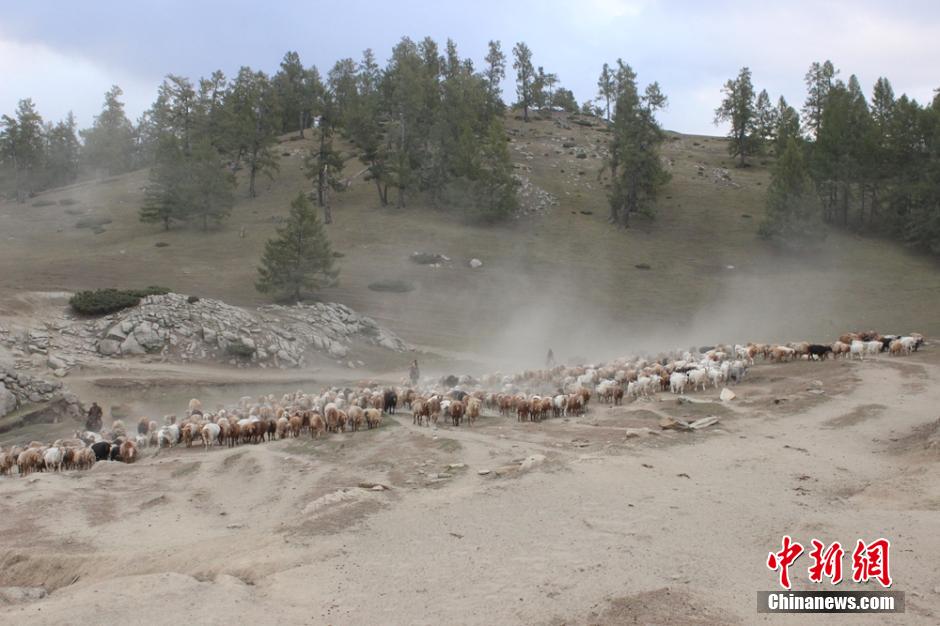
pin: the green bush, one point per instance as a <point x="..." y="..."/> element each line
<point x="105" y="301"/>
<point x="102" y="301"/>
<point x="152" y="290"/>
<point x="239" y="349"/>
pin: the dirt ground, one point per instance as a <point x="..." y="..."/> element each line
<point x="589" y="520"/>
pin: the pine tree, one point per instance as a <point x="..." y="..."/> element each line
<point x="288" y="83"/>
<point x="494" y="73"/>
<point x="766" y="122"/>
<point x="792" y="205"/>
<point x="737" y="107"/>
<point x="605" y="88"/>
<point x="255" y="120"/>
<point x="325" y="164"/>
<point x="634" y="163"/>
<point x="818" y="81"/>
<point x="209" y="186"/>
<point x="165" y="198"/>
<point x="62" y="152"/>
<point x="300" y="258"/>
<point x="525" y="77"/>
<point x="109" y="143"/>
<point x="22" y="147"/>
<point x="786" y="125"/>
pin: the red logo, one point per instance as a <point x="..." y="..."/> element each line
<point x="869" y="561"/>
<point x="782" y="560"/>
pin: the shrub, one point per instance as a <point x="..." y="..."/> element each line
<point x="102" y="301"/>
<point x="239" y="349"/>
<point x="68" y="201"/>
<point x="105" y="301"/>
<point x="152" y="290"/>
<point x="42" y="203"/>
<point x="192" y="299"/>
<point x="161" y="244"/>
<point x="396" y="286"/>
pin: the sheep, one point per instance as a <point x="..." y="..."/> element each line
<point x="143" y="426"/>
<point x="896" y="348"/>
<point x="295" y="423"/>
<point x="698" y="378"/>
<point x="456" y="412"/>
<point x="356" y="418"/>
<point x="282" y="426"/>
<point x="419" y="411"/>
<point x="211" y="434"/>
<point x="373" y="418"/>
<point x="29" y="461"/>
<point x="53" y="459"/>
<point x="473" y="410"/>
<point x="677" y="382"/>
<point x="857" y="348"/>
<point x="840" y="349"/>
<point x="873" y="347"/>
<point x="7" y="461"/>
<point x="560" y="404"/>
<point x="118" y="428"/>
<point x="129" y="451"/>
<point x="195" y="406"/>
<point x="102" y="450"/>
<point x="317" y="425"/>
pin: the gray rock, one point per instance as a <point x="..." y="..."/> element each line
<point x="55" y="362"/>
<point x="7" y="401"/>
<point x="148" y="337"/>
<point x="338" y="350"/>
<point x="17" y="595"/>
<point x="109" y="347"/>
<point x="132" y="346"/>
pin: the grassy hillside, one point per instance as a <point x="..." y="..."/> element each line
<point x="562" y="278"/>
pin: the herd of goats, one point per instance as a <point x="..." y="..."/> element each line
<point x="532" y="395"/>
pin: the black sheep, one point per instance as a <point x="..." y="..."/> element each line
<point x="819" y="350"/>
<point x="389" y="401"/>
<point x="102" y="450"/>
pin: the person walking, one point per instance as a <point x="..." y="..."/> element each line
<point x="93" y="423"/>
<point x="414" y="373"/>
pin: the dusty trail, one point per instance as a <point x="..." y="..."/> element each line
<point x="670" y="528"/>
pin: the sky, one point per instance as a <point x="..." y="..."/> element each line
<point x="65" y="55"/>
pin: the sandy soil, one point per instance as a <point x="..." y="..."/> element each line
<point x="606" y="529"/>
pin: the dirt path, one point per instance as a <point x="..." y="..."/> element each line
<point x="663" y="529"/>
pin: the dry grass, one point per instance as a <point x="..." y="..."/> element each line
<point x="565" y="278"/>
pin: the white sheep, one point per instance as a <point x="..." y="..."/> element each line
<point x="677" y="382"/>
<point x="857" y="349"/>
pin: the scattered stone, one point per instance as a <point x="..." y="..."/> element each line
<point x="17" y="595"/>
<point x="669" y="423"/>
<point x="727" y="395"/>
<point x="532" y="461"/>
<point x="476" y="263"/>
<point x="483" y="472"/>
<point x="704" y="422"/>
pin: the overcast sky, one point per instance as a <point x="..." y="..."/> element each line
<point x="66" y="54"/>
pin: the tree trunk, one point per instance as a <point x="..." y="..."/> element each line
<point x="382" y="199"/>
<point x="302" y="120"/>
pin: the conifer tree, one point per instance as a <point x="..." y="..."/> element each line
<point x="300" y="258"/>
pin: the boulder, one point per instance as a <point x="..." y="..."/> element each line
<point x="55" y="363"/>
<point x="338" y="350"/>
<point x="132" y="346"/>
<point x="475" y="263"/>
<point x="109" y="347"/>
<point x="148" y="337"/>
<point x="7" y="401"/>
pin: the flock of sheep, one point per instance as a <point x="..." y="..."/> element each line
<point x="530" y="395"/>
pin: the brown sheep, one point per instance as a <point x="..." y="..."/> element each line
<point x="341" y="419"/>
<point x="473" y="410"/>
<point x="373" y="418"/>
<point x="283" y="425"/>
<point x="143" y="426"/>
<point x="295" y="423"/>
<point x="317" y="425"/>
<point x="356" y="418"/>
<point x="129" y="451"/>
<point x="456" y="412"/>
<point x="29" y="461"/>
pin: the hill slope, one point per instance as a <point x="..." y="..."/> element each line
<point x="559" y="277"/>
